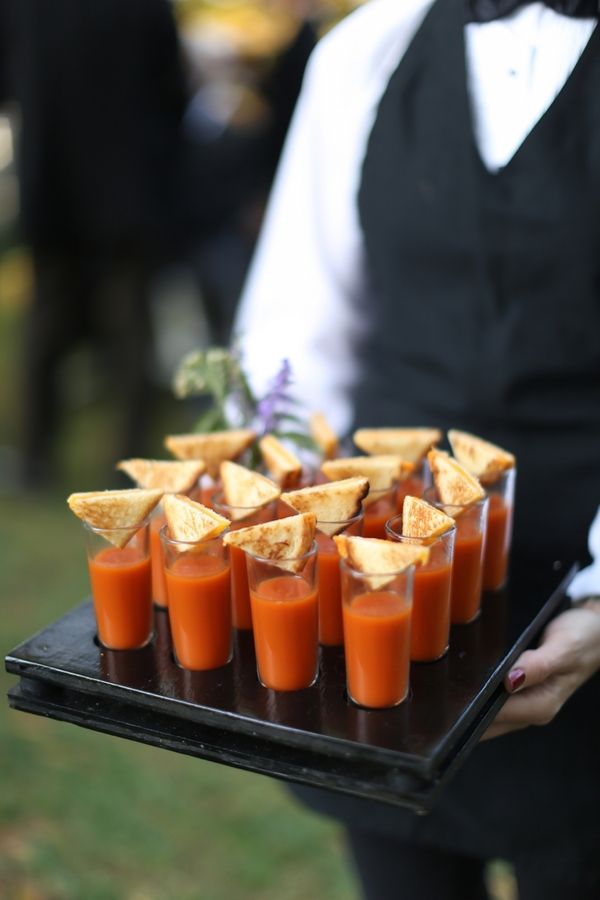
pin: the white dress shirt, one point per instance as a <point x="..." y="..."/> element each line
<point x="304" y="298"/>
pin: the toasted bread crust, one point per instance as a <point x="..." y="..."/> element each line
<point x="381" y="471"/>
<point x="281" y="463"/>
<point x="455" y="486"/>
<point x="323" y="435"/>
<point x="380" y="560"/>
<point x="191" y="522"/>
<point x="333" y="503"/>
<point x="421" y="520"/>
<point x="410" y="443"/>
<point x="122" y="511"/>
<point x="245" y="489"/>
<point x="212" y="448"/>
<point x="284" y="542"/>
<point x="481" y="458"/>
<point x="169" y="476"/>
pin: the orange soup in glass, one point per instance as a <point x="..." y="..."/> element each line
<point x="377" y="624"/>
<point x="198" y="586"/>
<point x="242" y="517"/>
<point x="499" y="530"/>
<point x="121" y="582"/>
<point x="432" y="586"/>
<point x="285" y="619"/>
<point x="331" y="628"/>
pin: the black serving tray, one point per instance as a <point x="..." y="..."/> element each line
<point x="401" y="756"/>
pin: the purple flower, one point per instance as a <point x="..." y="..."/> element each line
<point x="269" y="408"/>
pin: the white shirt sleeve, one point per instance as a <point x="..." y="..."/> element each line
<point x="305" y="297"/>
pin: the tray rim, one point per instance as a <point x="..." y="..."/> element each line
<point x="465" y="731"/>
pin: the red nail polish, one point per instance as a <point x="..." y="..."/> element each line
<point x="516" y="679"/>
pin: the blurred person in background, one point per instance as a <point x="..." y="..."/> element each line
<point x="101" y="95"/>
<point x="430" y="257"/>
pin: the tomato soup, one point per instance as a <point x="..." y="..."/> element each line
<point x="466" y="572"/>
<point x="430" y="627"/>
<point x="377" y="514"/>
<point x="331" y="629"/>
<point x="285" y="616"/>
<point x="377" y="644"/>
<point x="159" y="587"/>
<point x="121" y="581"/>
<point x="495" y="563"/>
<point x="198" y="586"/>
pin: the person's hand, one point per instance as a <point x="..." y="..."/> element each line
<point x="542" y="680"/>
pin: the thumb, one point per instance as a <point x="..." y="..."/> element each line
<point x="534" y="666"/>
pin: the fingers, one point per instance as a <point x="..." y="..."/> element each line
<point x="538" y="705"/>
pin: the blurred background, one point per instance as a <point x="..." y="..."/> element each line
<point x="138" y="141"/>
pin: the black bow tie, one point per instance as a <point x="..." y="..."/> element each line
<point x="488" y="10"/>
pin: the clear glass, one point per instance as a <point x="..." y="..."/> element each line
<point x="331" y="627"/>
<point x="469" y="549"/>
<point x="159" y="585"/>
<point x="378" y="508"/>
<point x="199" y="591"/>
<point x="121" y="582"/>
<point x="430" y="628"/>
<point x="499" y="530"/>
<point x="242" y="517"/>
<point x="285" y="617"/>
<point x="377" y="636"/>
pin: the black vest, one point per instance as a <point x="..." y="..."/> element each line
<point x="485" y="315"/>
<point x="485" y="311"/>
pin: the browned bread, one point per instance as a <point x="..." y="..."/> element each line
<point x="169" y="476"/>
<point x="283" y="541"/>
<point x="333" y="504"/>
<point x="123" y="511"/>
<point x="212" y="447"/>
<point x="410" y="443"/>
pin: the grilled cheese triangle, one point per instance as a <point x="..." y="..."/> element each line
<point x="212" y="447"/>
<point x="481" y="458"/>
<point x="422" y="520"/>
<point x="121" y="511"/>
<point x="410" y="443"/>
<point x="333" y="503"/>
<point x="281" y="463"/>
<point x="246" y="489"/>
<point x="455" y="486"/>
<point x="380" y="561"/>
<point x="381" y="471"/>
<point x="284" y="542"/>
<point x="191" y="522"/>
<point x="169" y="476"/>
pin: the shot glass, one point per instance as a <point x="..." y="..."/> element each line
<point x="285" y="617"/>
<point x="159" y="585"/>
<point x="199" y="591"/>
<point x="499" y="530"/>
<point x="430" y="626"/>
<point x="121" y="582"/>
<point x="331" y="627"/>
<point x="381" y="506"/>
<point x="376" y="636"/>
<point x="242" y="517"/>
<point x="469" y="549"/>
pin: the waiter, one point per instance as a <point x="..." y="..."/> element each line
<point x="431" y="256"/>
